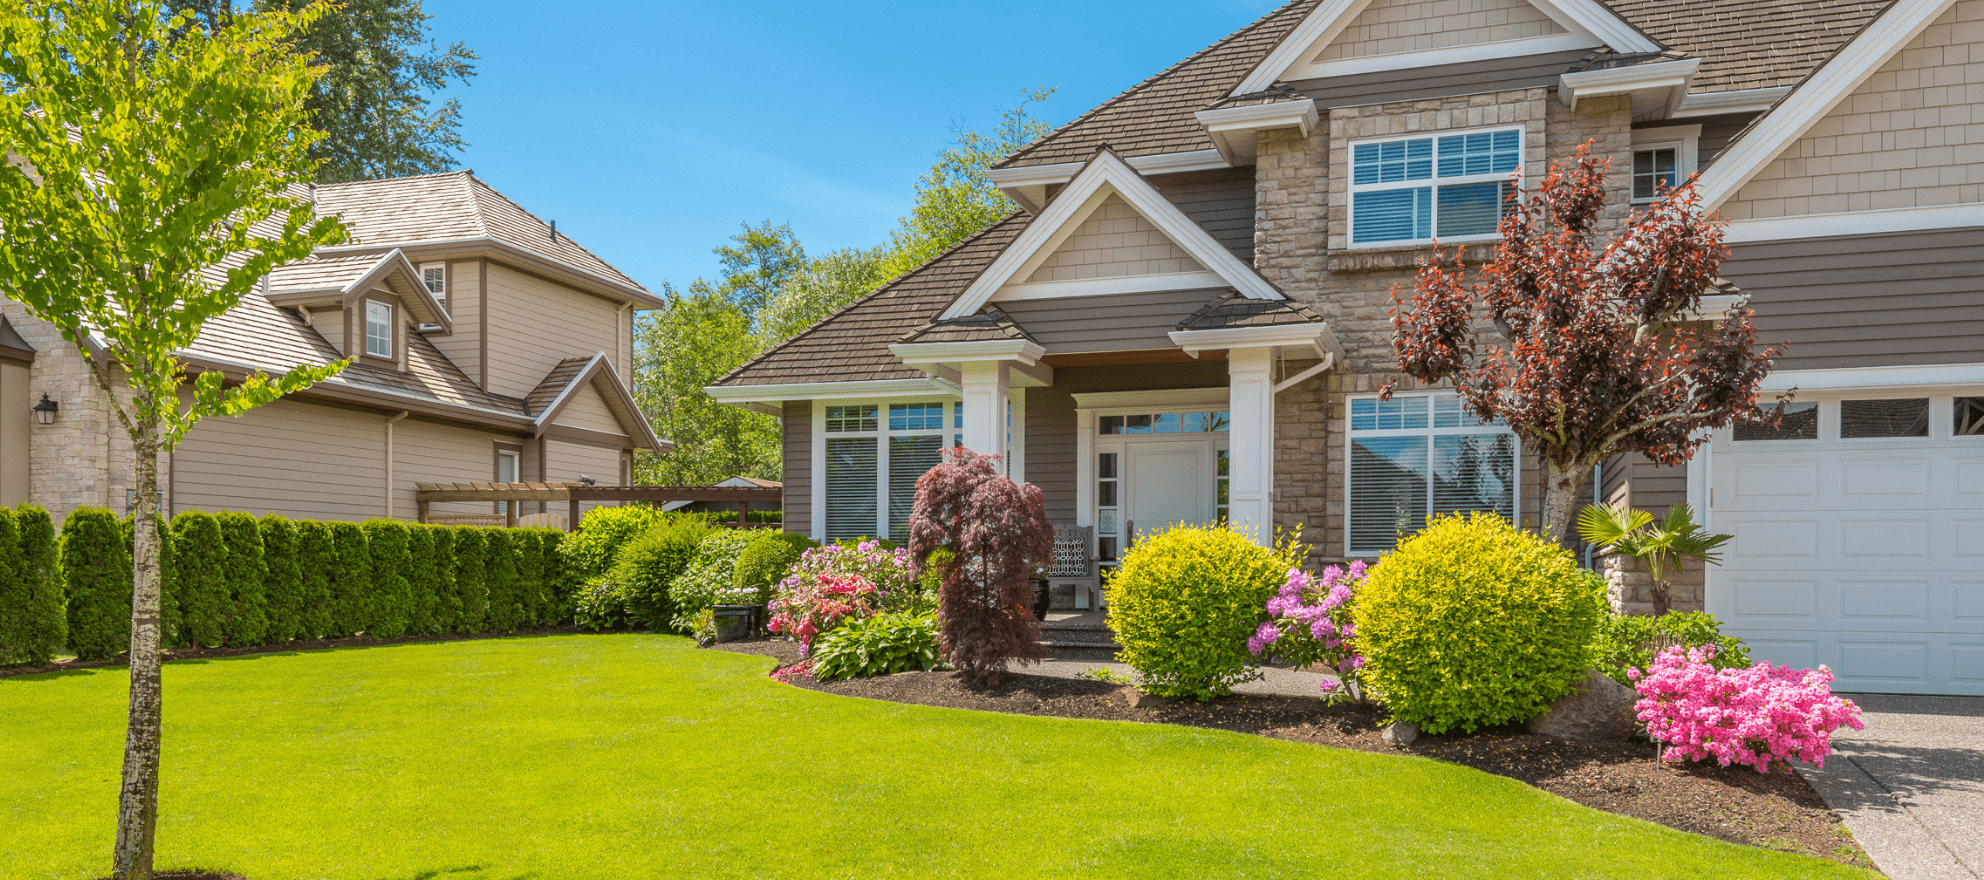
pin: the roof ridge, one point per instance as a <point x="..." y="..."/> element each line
<point x="1147" y="81"/>
<point x="345" y="183"/>
<point x="899" y="279"/>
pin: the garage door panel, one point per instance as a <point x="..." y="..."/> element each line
<point x="1883" y="600"/>
<point x="1969" y="601"/>
<point x="1797" y="653"/>
<point x="1883" y="661"/>
<point x="1884" y="479"/>
<point x="1967" y="665"/>
<point x="1970" y="479"/>
<point x="1884" y="538"/>
<point x="1969" y="534"/>
<point x="1775" y="601"/>
<point x="1775" y="539"/>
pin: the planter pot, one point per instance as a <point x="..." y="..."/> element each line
<point x="1041" y="599"/>
<point x="735" y="622"/>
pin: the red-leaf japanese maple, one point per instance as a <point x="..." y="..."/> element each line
<point x="994" y="534"/>
<point x="1587" y="353"/>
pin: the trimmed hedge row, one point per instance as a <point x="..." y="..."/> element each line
<point x="234" y="580"/>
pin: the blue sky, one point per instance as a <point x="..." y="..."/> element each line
<point x="649" y="131"/>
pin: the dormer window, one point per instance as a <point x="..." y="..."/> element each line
<point x="1407" y="191"/>
<point x="435" y="276"/>
<point x="379" y="329"/>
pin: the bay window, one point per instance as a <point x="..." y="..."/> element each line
<point x="1422" y="455"/>
<point x="1407" y="191"/>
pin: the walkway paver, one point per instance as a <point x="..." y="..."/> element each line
<point x="1911" y="786"/>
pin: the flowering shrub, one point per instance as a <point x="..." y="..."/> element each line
<point x="889" y="569"/>
<point x="807" y="606"/>
<point x="1310" y="623"/>
<point x="712" y="569"/>
<point x="1755" y="717"/>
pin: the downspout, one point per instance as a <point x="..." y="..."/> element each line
<point x="389" y="461"/>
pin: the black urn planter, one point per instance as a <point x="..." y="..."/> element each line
<point x="1042" y="599"/>
<point x="735" y="622"/>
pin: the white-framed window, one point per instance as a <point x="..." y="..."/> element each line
<point x="435" y="277"/>
<point x="379" y="329"/>
<point x="1422" y="455"/>
<point x="1662" y="159"/>
<point x="875" y="452"/>
<point x="1446" y="187"/>
<point x="509" y="464"/>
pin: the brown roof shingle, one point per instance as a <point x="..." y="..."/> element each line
<point x="1751" y="44"/>
<point x="1234" y="310"/>
<point x="990" y="322"/>
<point x="555" y="382"/>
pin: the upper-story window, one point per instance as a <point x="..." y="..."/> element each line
<point x="1414" y="190"/>
<point x="378" y="329"/>
<point x="435" y="276"/>
<point x="1655" y="170"/>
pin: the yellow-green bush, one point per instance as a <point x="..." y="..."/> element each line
<point x="1473" y="622"/>
<point x="1184" y="602"/>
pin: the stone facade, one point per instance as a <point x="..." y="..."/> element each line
<point x="1300" y="240"/>
<point x="84" y="458"/>
<point x="1630" y="588"/>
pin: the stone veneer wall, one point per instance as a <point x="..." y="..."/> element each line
<point x="1630" y="587"/>
<point x="1299" y="237"/>
<point x="85" y="457"/>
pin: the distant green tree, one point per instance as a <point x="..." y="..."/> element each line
<point x="679" y="350"/>
<point x="760" y="260"/>
<point x="953" y="199"/>
<point x="828" y="285"/>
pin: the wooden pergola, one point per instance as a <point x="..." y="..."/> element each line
<point x="575" y="493"/>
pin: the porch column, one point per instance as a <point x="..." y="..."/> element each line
<point x="1250" y="474"/>
<point x="986" y="386"/>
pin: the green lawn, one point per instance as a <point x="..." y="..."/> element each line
<point x="643" y="757"/>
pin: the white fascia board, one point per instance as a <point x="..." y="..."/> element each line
<point x="581" y="378"/>
<point x="1816" y="97"/>
<point x="1670" y="76"/>
<point x="1868" y="378"/>
<point x="1595" y="19"/>
<point x="1161" y="397"/>
<point x="1232" y="128"/>
<point x="1109" y="171"/>
<point x="1019" y="350"/>
<point x="1317" y="336"/>
<point x="1108" y="286"/>
<point x="1855" y="223"/>
<point x="1448" y="55"/>
<point x="1062" y="172"/>
<point x="1328" y="19"/>
<point x="1717" y="103"/>
<point x="742" y="394"/>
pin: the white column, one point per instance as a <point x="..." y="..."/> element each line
<point x="1250" y="400"/>
<point x="986" y="386"/>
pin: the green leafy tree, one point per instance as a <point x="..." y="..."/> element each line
<point x="152" y="183"/>
<point x="828" y="285"/>
<point x="1665" y="546"/>
<point x="760" y="261"/>
<point x="953" y="199"/>
<point x="680" y="350"/>
<point x="373" y="99"/>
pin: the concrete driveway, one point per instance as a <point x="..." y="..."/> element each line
<point x="1911" y="786"/>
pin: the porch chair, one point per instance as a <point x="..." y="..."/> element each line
<point x="1074" y="565"/>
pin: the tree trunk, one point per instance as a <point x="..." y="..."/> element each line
<point x="1563" y="490"/>
<point x="137" y="807"/>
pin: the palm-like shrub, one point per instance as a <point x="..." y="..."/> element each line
<point x="1473" y="622"/>
<point x="996" y="535"/>
<point x="1665" y="546"/>
<point x="1184" y="603"/>
<point x="95" y="557"/>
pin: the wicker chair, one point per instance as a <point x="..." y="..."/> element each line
<point x="1074" y="564"/>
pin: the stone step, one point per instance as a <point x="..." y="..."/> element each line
<point x="1060" y="650"/>
<point x="1077" y="636"/>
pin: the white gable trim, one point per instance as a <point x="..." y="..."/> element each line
<point x="1856" y="223"/>
<point x="1109" y="286"/>
<point x="1027" y="184"/>
<point x="1448" y="55"/>
<point x="1817" y="96"/>
<point x="1107" y="173"/>
<point x="1587" y="18"/>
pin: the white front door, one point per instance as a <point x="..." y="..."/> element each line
<point x="1170" y="484"/>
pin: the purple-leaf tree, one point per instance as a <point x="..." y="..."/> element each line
<point x="1589" y="351"/>
<point x="993" y="534"/>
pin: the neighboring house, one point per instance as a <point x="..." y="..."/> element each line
<point x="1188" y="320"/>
<point x="484" y="346"/>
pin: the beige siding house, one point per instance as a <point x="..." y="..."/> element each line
<point x="483" y="346"/>
<point x="1187" y="319"/>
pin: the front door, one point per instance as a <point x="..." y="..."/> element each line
<point x="1169" y="486"/>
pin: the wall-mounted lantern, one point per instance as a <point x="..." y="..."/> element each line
<point x="44" y="412"/>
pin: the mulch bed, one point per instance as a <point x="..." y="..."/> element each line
<point x="358" y="641"/>
<point x="1778" y="811"/>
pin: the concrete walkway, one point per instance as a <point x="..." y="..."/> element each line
<point x="1911" y="786"/>
<point x="1276" y="682"/>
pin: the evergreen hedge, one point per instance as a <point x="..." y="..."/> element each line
<point x="201" y="575"/>
<point x="505" y="584"/>
<point x="446" y="610"/>
<point x="317" y="581"/>
<point x="471" y="580"/>
<point x="531" y="600"/>
<point x="94" y="555"/>
<point x="246" y="623"/>
<point x="352" y="608"/>
<point x="392" y="596"/>
<point x="34" y="622"/>
<point x="283" y="586"/>
<point x="421" y="588"/>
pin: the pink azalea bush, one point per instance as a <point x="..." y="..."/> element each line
<point x="1310" y="623"/>
<point x="837" y="583"/>
<point x="1756" y="717"/>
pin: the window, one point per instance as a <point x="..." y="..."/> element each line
<point x="1222" y="478"/>
<point x="1864" y="419"/>
<point x="1412" y="457"/>
<point x="1108" y="505"/>
<point x="1655" y="170"/>
<point x="1800" y="422"/>
<point x="1166" y="423"/>
<point x="1969" y="412"/>
<point x="435" y="276"/>
<point x="507" y="468"/>
<point x="1415" y="190"/>
<point x="874" y="459"/>
<point x="378" y="329"/>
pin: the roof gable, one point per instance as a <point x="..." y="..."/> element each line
<point x="592" y="379"/>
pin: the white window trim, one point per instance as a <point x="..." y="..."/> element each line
<point x="1686" y="141"/>
<point x="441" y="296"/>
<point x="1349" y="475"/>
<point x="391" y="331"/>
<point x="881" y="434"/>
<point x="516" y="472"/>
<point x="1090" y="442"/>
<point x="1436" y="182"/>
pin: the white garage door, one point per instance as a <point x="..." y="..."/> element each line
<point x="1859" y="542"/>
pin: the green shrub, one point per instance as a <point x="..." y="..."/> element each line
<point x="535" y="570"/>
<point x="471" y="579"/>
<point x="352" y="608"/>
<point x="506" y="610"/>
<point x="1473" y="622"/>
<point x="201" y="576"/>
<point x="881" y="645"/>
<point x="558" y="575"/>
<point x="34" y="622"/>
<point x="1184" y="602"/>
<point x="95" y="557"/>
<point x="247" y="623"/>
<point x="714" y="568"/>
<point x="392" y="596"/>
<point x="1628" y="641"/>
<point x="649" y="563"/>
<point x="318" y="582"/>
<point x="171" y="622"/>
<point x="445" y="614"/>
<point x="422" y="580"/>
<point x="282" y="589"/>
<point x="599" y="606"/>
<point x="766" y="560"/>
<point x="592" y="551"/>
